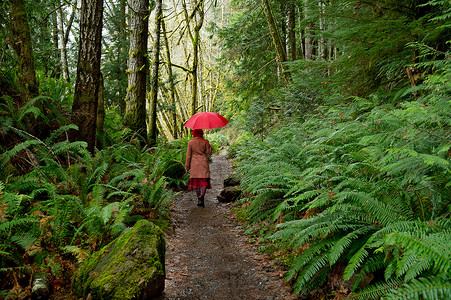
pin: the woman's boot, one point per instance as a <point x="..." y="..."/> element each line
<point x="201" y="202"/>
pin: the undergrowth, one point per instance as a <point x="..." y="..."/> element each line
<point x="59" y="203"/>
<point x="360" y="188"/>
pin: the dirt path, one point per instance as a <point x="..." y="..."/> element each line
<point x="209" y="258"/>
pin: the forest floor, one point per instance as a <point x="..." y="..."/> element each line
<point x="209" y="257"/>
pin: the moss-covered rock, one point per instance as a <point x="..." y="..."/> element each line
<point x="232" y="179"/>
<point x="130" y="267"/>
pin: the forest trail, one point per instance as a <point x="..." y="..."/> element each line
<point x="207" y="255"/>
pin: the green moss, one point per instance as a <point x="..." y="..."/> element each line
<point x="121" y="269"/>
<point x="133" y="52"/>
<point x="132" y="88"/>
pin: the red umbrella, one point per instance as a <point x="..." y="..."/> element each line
<point x="206" y="120"/>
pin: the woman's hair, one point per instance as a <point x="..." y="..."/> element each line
<point x="198" y="132"/>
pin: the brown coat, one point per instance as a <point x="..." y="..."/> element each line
<point x="196" y="158"/>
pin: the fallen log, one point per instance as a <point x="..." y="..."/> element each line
<point x="40" y="287"/>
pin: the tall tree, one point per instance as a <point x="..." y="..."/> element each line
<point x="276" y="38"/>
<point x="197" y="15"/>
<point x="135" y="109"/>
<point x="64" y="38"/>
<point x="115" y="53"/>
<point x="155" y="71"/>
<point x="22" y="45"/>
<point x="309" y="41"/>
<point x="100" y="134"/>
<point x="84" y="108"/>
<point x="171" y="80"/>
<point x="55" y="36"/>
<point x="292" y="30"/>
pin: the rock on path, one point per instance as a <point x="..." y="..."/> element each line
<point x="208" y="257"/>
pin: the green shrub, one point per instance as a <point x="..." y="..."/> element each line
<point x="366" y="184"/>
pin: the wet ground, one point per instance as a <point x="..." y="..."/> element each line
<point x="209" y="257"/>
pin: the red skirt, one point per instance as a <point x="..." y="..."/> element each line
<point x="199" y="182"/>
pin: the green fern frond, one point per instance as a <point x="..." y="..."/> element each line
<point x="437" y="246"/>
<point x="8" y="225"/>
<point x="155" y="192"/>
<point x="373" y="264"/>
<point x="54" y="135"/>
<point x="418" y="267"/>
<point x="113" y="210"/>
<point x="13" y="201"/>
<point x="377" y="291"/>
<point x="117" y="192"/>
<point x="120" y="179"/>
<point x="26" y="240"/>
<point x="376" y="209"/>
<point x="355" y="262"/>
<point x="314" y="266"/>
<point x="423" y="288"/>
<point x="77" y="147"/>
<point x="341" y="245"/>
<point x="281" y="209"/>
<point x="98" y="174"/>
<point x="305" y="196"/>
<point x="6" y="156"/>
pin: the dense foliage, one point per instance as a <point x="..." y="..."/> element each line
<point x="59" y="203"/>
<point x="356" y="190"/>
<point x="362" y="185"/>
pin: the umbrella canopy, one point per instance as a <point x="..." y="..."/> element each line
<point x="206" y="120"/>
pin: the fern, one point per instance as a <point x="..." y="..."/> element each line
<point x="423" y="288"/>
<point x="344" y="243"/>
<point x="368" y="186"/>
<point x="54" y="135"/>
<point x="433" y="248"/>
<point x="377" y="291"/>
<point x="79" y="253"/>
<point x="26" y="240"/>
<point x="17" y="115"/>
<point x="315" y="266"/>
<point x="6" y="156"/>
<point x="7" y="226"/>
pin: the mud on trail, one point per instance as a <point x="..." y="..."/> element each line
<point x="207" y="255"/>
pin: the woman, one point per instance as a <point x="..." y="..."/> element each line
<point x="197" y="161"/>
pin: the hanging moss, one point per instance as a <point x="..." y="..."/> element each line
<point x="130" y="267"/>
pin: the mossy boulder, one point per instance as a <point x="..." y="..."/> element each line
<point x="232" y="179"/>
<point x="229" y="194"/>
<point x="130" y="267"/>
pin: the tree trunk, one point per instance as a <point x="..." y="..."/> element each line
<point x="123" y="49"/>
<point x="301" y="50"/>
<point x="155" y="72"/>
<point x="22" y="45"/>
<point x="322" y="45"/>
<point x="174" y="130"/>
<point x="69" y="24"/>
<point x="63" y="50"/>
<point x="100" y="135"/>
<point x="198" y="16"/>
<point x="292" y="31"/>
<point x="277" y="40"/>
<point x="135" y="109"/>
<point x="309" y="40"/>
<point x="194" y="91"/>
<point x="56" y="73"/>
<point x="84" y="108"/>
<point x="284" y="8"/>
